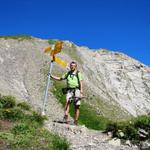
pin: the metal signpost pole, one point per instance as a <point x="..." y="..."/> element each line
<point x="47" y="87"/>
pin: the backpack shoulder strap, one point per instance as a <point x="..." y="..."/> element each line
<point x="77" y="75"/>
<point x="68" y="73"/>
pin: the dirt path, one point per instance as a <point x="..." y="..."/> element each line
<point x="82" y="138"/>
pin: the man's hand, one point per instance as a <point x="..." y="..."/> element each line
<point x="81" y="94"/>
<point x="55" y="77"/>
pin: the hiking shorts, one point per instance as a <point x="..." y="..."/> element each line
<point x="73" y="95"/>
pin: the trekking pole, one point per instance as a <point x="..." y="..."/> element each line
<point x="47" y="87"/>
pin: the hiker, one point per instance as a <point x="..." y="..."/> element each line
<point x="73" y="91"/>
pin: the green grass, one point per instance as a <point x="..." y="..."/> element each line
<point x="7" y="101"/>
<point x="21" y="128"/>
<point x="24" y="105"/>
<point x="105" y="50"/>
<point x="88" y="115"/>
<point x="130" y="129"/>
<point x="108" y="109"/>
<point x="17" y="37"/>
<point x="51" y="42"/>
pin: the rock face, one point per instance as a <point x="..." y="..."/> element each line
<point x="118" y="79"/>
<point x="116" y="85"/>
<point x="23" y="69"/>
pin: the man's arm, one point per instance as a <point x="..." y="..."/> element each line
<point x="56" y="78"/>
<point x="59" y="78"/>
<point x="81" y="88"/>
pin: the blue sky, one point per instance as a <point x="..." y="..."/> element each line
<point x="117" y="25"/>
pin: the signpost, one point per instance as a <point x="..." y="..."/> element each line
<point x="57" y="49"/>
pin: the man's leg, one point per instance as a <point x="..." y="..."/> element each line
<point x="67" y="106"/>
<point x="77" y="113"/>
<point x="77" y="103"/>
<point x="66" y="109"/>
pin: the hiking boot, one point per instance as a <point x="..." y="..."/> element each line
<point x="76" y="122"/>
<point x="66" y="119"/>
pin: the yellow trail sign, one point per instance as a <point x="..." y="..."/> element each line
<point x="60" y="62"/>
<point x="57" y="49"/>
<point x="47" y="50"/>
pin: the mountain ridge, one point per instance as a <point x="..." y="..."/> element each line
<point x="116" y="86"/>
<point x="120" y="84"/>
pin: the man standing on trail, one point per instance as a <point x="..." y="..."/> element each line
<point x="74" y="90"/>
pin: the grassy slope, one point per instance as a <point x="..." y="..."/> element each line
<point x="17" y="37"/>
<point x="22" y="128"/>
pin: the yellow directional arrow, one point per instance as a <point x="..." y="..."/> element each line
<point x="58" y="47"/>
<point x="60" y="62"/>
<point x="47" y="50"/>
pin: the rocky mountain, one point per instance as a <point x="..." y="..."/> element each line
<point x="115" y="85"/>
<point x="118" y="80"/>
